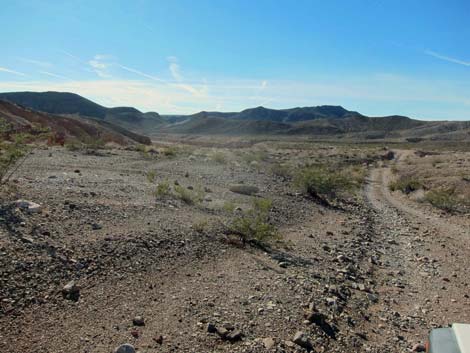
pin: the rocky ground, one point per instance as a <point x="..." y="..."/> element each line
<point x="372" y="275"/>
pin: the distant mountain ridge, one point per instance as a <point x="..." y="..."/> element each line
<point x="285" y="115"/>
<point x="65" y="103"/>
<point x="70" y="128"/>
<point x="324" y="120"/>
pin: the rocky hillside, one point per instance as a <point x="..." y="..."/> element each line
<point x="64" y="103"/>
<point x="70" y="128"/>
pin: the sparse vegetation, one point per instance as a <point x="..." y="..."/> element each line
<point x="200" y="226"/>
<point x="406" y="184"/>
<point x="163" y="189"/>
<point x="281" y="170"/>
<point x="151" y="175"/>
<point x="322" y="183"/>
<point x="229" y="206"/>
<point x="12" y="148"/>
<point x="187" y="196"/>
<point x="253" y="225"/>
<point x="219" y="157"/>
<point x="255" y="156"/>
<point x="444" y="199"/>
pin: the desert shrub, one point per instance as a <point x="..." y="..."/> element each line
<point x="320" y="182"/>
<point x="229" y="206"/>
<point x="170" y="151"/>
<point x="444" y="199"/>
<point x="219" y="157"/>
<point x="406" y="184"/>
<point x="255" y="156"/>
<point x="163" y="189"/>
<point x="253" y="225"/>
<point x="187" y="196"/>
<point x="11" y="150"/>
<point x="200" y="226"/>
<point x="151" y="175"/>
<point x="281" y="170"/>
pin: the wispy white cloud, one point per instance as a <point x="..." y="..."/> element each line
<point x="447" y="58"/>
<point x="175" y="68"/>
<point x="100" y="66"/>
<point x="13" y="72"/>
<point x="36" y="62"/>
<point x="47" y="73"/>
<point x="140" y="73"/>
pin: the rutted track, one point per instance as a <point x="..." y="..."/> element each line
<point x="421" y="275"/>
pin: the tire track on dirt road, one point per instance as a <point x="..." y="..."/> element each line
<point x="421" y="273"/>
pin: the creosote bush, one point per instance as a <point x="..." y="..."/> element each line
<point x="151" y="175"/>
<point x="163" y="189"/>
<point x="253" y="224"/>
<point x="187" y="196"/>
<point x="322" y="183"/>
<point x="12" y="148"/>
<point x="444" y="199"/>
<point x="406" y="184"/>
<point x="219" y="157"/>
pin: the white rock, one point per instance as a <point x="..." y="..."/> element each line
<point x="29" y="206"/>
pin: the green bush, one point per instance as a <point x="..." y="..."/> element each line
<point x="163" y="189"/>
<point x="219" y="157"/>
<point x="187" y="196"/>
<point x="320" y="182"/>
<point x="12" y="149"/>
<point x="255" y="156"/>
<point x="444" y="199"/>
<point x="281" y="170"/>
<point x="406" y="184"/>
<point x="151" y="175"/>
<point x="253" y="225"/>
<point x="244" y="189"/>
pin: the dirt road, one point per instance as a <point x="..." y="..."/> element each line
<point x="423" y="277"/>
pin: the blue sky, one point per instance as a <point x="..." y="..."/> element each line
<point x="375" y="56"/>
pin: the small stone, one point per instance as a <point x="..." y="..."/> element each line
<point x="125" y="348"/>
<point x="222" y="332"/>
<point x="96" y="226"/>
<point x="301" y="339"/>
<point x="418" y="347"/>
<point x="138" y="321"/>
<point x="71" y="291"/>
<point x="268" y="342"/>
<point x="159" y="339"/>
<point x="31" y="207"/>
<point x="211" y="328"/>
<point x="234" y="336"/>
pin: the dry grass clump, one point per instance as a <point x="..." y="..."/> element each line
<point x="406" y="184"/>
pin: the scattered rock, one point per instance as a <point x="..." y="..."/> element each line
<point x="211" y="328"/>
<point x="244" y="189"/>
<point x="29" y="206"/>
<point x="125" y="348"/>
<point x="138" y="321"/>
<point x="268" y="342"/>
<point x="418" y="347"/>
<point x="234" y="336"/>
<point x="301" y="339"/>
<point x="71" y="291"/>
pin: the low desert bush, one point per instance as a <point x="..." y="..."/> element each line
<point x="322" y="183"/>
<point x="281" y="170"/>
<point x="406" y="184"/>
<point x="12" y="148"/>
<point x="253" y="224"/>
<point x="163" y="189"/>
<point x="219" y="157"/>
<point x="444" y="199"/>
<point x="244" y="189"/>
<point x="189" y="197"/>
<point x="151" y="175"/>
<point x="200" y="226"/>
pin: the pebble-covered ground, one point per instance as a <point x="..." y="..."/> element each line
<point x="104" y="262"/>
